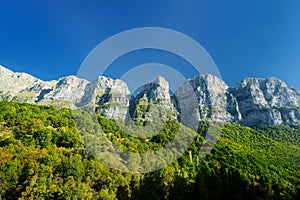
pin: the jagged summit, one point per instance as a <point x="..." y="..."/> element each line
<point x="250" y="102"/>
<point x="206" y="97"/>
<point x="271" y="81"/>
<point x="161" y="81"/>
<point x="4" y="70"/>
<point x="155" y="90"/>
<point x="267" y="101"/>
<point x="153" y="101"/>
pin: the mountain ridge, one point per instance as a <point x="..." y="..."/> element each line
<point x="250" y="102"/>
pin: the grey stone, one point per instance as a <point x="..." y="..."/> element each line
<point x="251" y="102"/>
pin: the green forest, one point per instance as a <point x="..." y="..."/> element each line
<point x="43" y="156"/>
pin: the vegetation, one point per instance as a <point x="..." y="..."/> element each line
<point x="43" y="156"/>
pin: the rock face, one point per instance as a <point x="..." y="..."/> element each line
<point x="267" y="101"/>
<point x="68" y="88"/>
<point x="21" y="87"/>
<point x="111" y="97"/>
<point x="251" y="102"/>
<point x="206" y="97"/>
<point x="154" y="101"/>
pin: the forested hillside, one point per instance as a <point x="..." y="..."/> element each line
<point x="42" y="156"/>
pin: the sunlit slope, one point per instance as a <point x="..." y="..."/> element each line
<point x="43" y="156"/>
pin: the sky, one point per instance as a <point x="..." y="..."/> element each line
<point x="51" y="39"/>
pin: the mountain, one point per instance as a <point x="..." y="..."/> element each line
<point x="267" y="101"/>
<point x="206" y="97"/>
<point x="111" y="96"/>
<point x="43" y="155"/>
<point x="154" y="101"/>
<point x="251" y="102"/>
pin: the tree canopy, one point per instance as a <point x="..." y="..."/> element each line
<point x="43" y="156"/>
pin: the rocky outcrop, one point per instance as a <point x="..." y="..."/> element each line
<point x="251" y="102"/>
<point x="154" y="101"/>
<point x="206" y="97"/>
<point x="110" y="97"/>
<point x="70" y="88"/>
<point x="267" y="101"/>
<point x="20" y="87"/>
<point x="107" y="96"/>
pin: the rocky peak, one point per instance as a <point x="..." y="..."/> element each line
<point x="154" y="100"/>
<point x="111" y="96"/>
<point x="70" y="88"/>
<point x="103" y="84"/>
<point x="208" y="82"/>
<point x="4" y="71"/>
<point x="15" y="86"/>
<point x="157" y="90"/>
<point x="267" y="101"/>
<point x="17" y="81"/>
<point x="206" y="97"/>
<point x="251" y="102"/>
<point x="116" y="90"/>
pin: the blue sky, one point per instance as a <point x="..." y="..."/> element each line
<point x="50" y="39"/>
